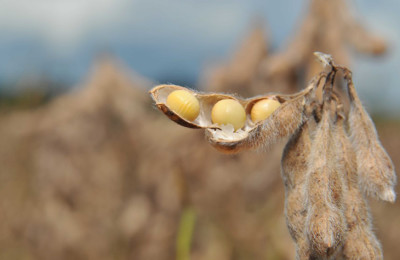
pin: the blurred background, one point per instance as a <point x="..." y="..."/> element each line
<point x="89" y="169"/>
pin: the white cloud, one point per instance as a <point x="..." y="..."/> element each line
<point x="64" y="24"/>
<point x="61" y="23"/>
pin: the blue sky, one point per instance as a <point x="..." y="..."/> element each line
<point x="156" y="38"/>
<point x="170" y="39"/>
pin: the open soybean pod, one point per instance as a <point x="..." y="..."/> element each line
<point x="282" y="115"/>
<point x="226" y="117"/>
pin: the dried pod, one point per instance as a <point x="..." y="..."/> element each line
<point x="375" y="168"/>
<point x="361" y="242"/>
<point x="283" y="121"/>
<point x="302" y="249"/>
<point x="294" y="170"/>
<point x="325" y="225"/>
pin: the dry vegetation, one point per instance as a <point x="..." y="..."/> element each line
<point x="90" y="176"/>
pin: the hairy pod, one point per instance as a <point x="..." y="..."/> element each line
<point x="282" y="123"/>
<point x="375" y="168"/>
<point x="361" y="242"/>
<point x="303" y="249"/>
<point x="294" y="170"/>
<point x="260" y="128"/>
<point x="325" y="224"/>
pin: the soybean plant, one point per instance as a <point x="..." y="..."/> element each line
<point x="332" y="161"/>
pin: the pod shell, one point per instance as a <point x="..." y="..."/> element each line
<point x="244" y="138"/>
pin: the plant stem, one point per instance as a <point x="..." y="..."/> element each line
<point x="185" y="233"/>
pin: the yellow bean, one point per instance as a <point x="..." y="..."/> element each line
<point x="184" y="104"/>
<point x="229" y="111"/>
<point x="263" y="109"/>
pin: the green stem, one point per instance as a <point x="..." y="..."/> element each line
<point x="185" y="233"/>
